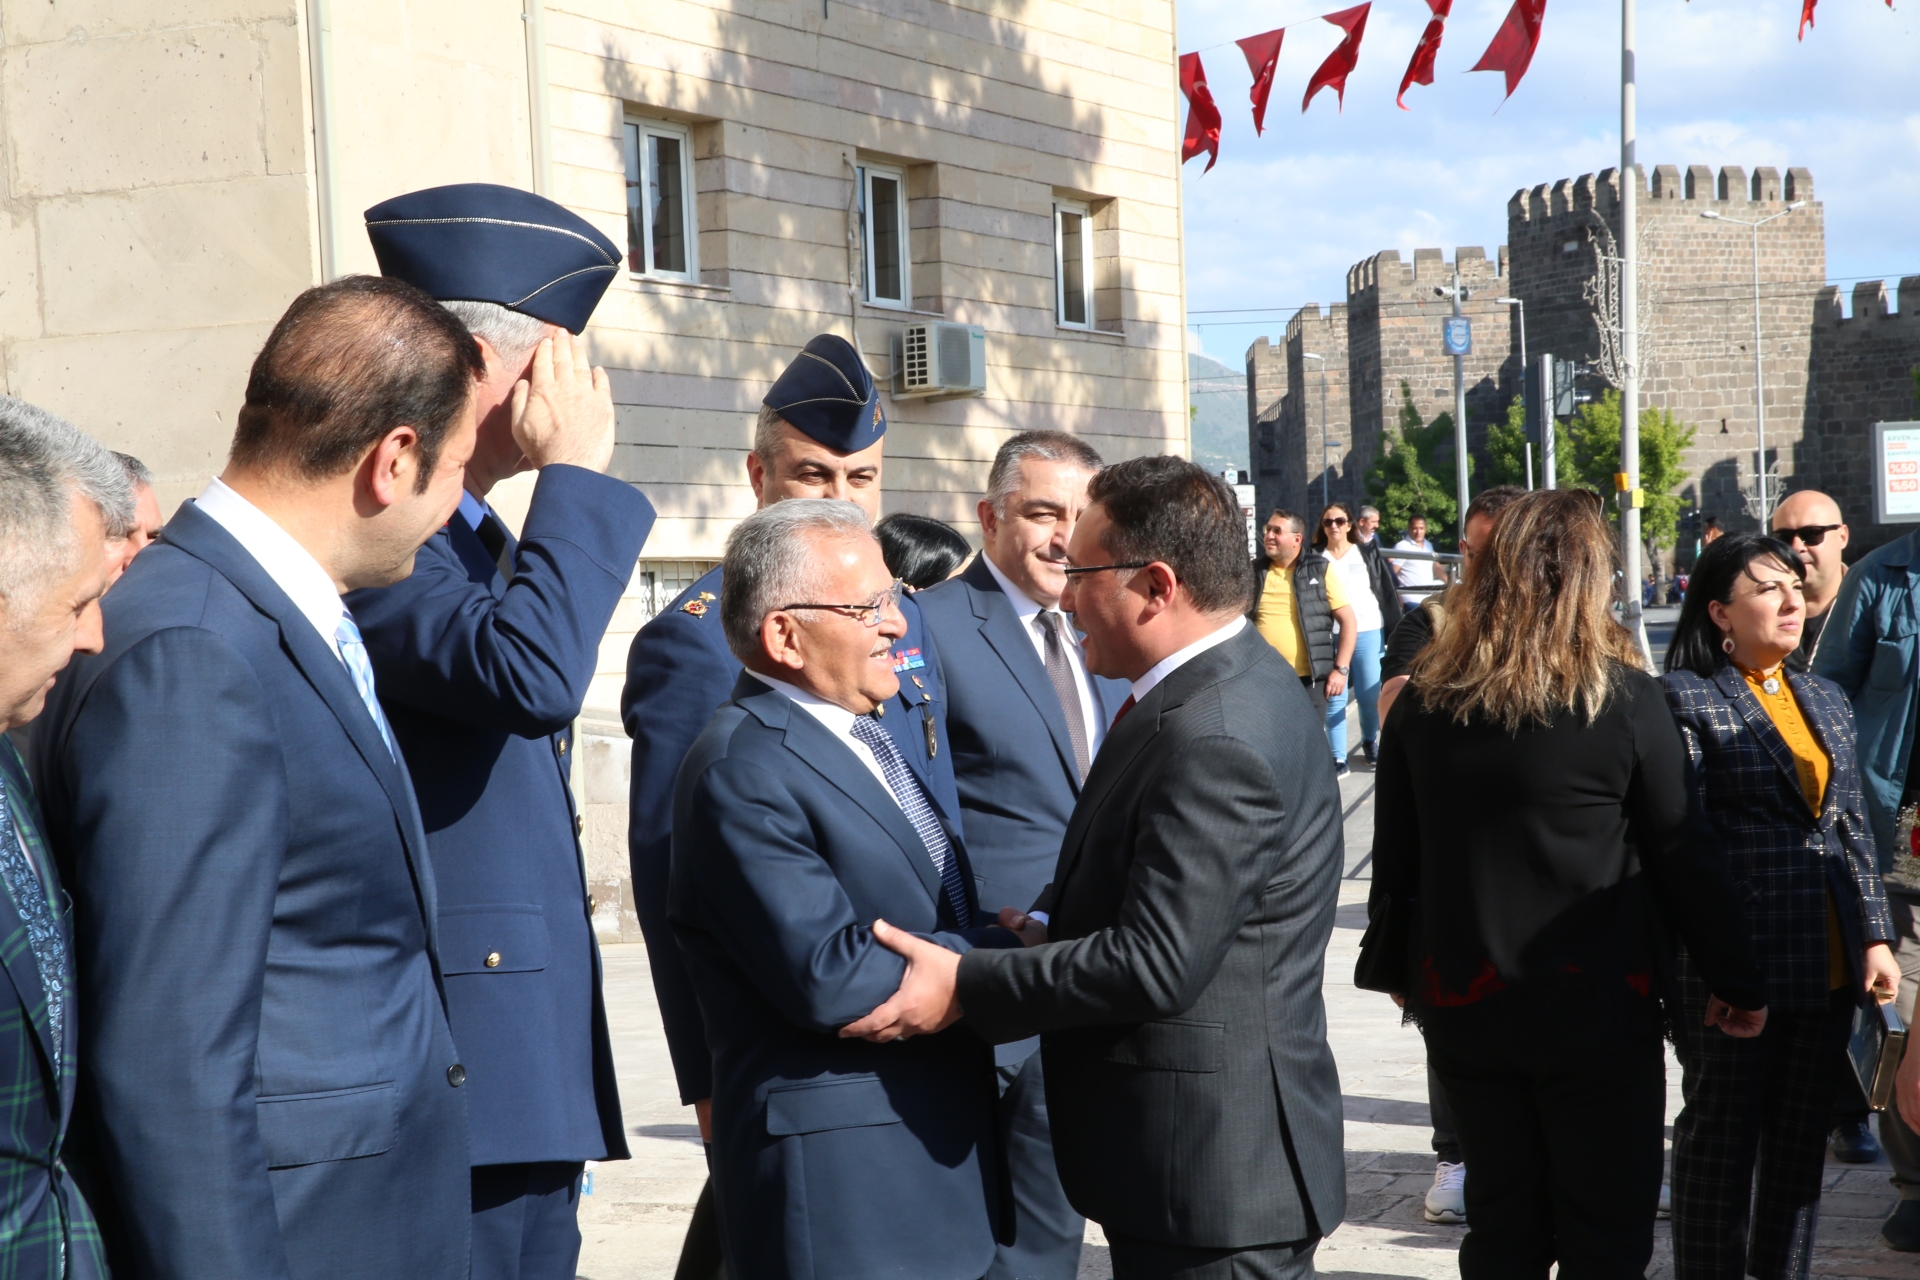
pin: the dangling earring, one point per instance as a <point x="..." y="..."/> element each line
<point x="1726" y="646"/>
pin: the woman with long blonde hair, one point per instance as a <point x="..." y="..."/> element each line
<point x="1532" y="831"/>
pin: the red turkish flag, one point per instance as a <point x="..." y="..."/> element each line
<point x="1334" y="70"/>
<point x="1806" y="15"/>
<point x="1420" y="69"/>
<point x="1263" y="55"/>
<point x="1514" y="43"/>
<point x="1203" y="117"/>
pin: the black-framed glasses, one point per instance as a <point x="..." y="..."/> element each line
<point x="1333" y="522"/>
<point x="1076" y="570"/>
<point x="867" y="615"/>
<point x="1808" y="535"/>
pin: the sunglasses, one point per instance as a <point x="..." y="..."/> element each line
<point x="1807" y="535"/>
<point x="1333" y="522"/>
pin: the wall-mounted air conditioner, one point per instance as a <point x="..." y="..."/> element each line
<point x="942" y="359"/>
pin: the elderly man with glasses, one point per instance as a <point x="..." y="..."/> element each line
<point x="797" y="823"/>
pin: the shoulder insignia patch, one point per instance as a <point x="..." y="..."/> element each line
<point x="698" y="608"/>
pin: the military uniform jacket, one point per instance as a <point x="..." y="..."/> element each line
<point x="481" y="680"/>
<point x="679" y="672"/>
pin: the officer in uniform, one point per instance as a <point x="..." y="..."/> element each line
<point x="820" y="435"/>
<point x="482" y="658"/>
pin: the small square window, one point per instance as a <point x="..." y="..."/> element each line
<point x="883" y="236"/>
<point x="1073" y="264"/>
<point x="661" y="238"/>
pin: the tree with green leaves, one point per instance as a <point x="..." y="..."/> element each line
<point x="1403" y="479"/>
<point x="1663" y="444"/>
<point x="1507" y="451"/>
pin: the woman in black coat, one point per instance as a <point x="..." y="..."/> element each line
<point x="1531" y="832"/>
<point x="1773" y="768"/>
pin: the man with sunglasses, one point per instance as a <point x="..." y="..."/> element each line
<point x="1809" y="522"/>
<point x="821" y="434"/>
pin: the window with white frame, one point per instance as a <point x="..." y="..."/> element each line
<point x="883" y="236"/>
<point x="662" y="238"/>
<point x="1073" y="264"/>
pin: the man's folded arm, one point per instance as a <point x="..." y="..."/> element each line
<point x="173" y="823"/>
<point x="1195" y="878"/>
<point x="444" y="644"/>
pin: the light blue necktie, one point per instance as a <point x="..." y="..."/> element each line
<point x="912" y="800"/>
<point x="353" y="652"/>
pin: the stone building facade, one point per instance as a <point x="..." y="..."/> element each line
<point x="176" y="173"/>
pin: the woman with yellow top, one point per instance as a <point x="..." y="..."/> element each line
<point x="1774" y="771"/>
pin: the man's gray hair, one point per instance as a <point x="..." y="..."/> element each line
<point x="1369" y="511"/>
<point x="43" y="460"/>
<point x="766" y="434"/>
<point x="511" y="333"/>
<point x="771" y="562"/>
<point x="1003" y="481"/>
<point x="138" y="473"/>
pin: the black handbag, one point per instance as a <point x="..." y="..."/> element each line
<point x="1878" y="1040"/>
<point x="1386" y="947"/>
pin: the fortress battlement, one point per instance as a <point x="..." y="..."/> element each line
<point x="1311" y="319"/>
<point x="1873" y="308"/>
<point x="1386" y="275"/>
<point x="1540" y="208"/>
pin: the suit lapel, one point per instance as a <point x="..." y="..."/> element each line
<point x="16" y="952"/>
<point x="203" y="538"/>
<point x="836" y="763"/>
<point x="1734" y="686"/>
<point x="1000" y="628"/>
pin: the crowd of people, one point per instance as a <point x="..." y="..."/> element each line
<point x="985" y="892"/>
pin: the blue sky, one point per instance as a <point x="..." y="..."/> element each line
<point x="1281" y="217"/>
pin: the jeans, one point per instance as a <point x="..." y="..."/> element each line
<point x="1363" y="685"/>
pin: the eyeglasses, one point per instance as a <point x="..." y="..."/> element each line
<point x="1807" y="535"/>
<point x="1079" y="569"/>
<point x="1333" y="522"/>
<point x="867" y="615"/>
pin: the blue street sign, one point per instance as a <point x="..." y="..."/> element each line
<point x="1458" y="331"/>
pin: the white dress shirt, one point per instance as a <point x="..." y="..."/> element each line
<point x="838" y="721"/>
<point x="1028" y="611"/>
<point x="292" y="568"/>
<point x="1174" y="661"/>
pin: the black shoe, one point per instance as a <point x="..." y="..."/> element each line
<point x="1340" y="769"/>
<point x="1901" y="1231"/>
<point x="1366" y="749"/>
<point x="1854" y="1143"/>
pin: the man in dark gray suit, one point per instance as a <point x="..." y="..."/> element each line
<point x="1026" y="719"/>
<point x="1195" y="1105"/>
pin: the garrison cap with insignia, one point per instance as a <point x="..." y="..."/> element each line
<point x="828" y="394"/>
<point x="478" y="242"/>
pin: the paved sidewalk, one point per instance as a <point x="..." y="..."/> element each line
<point x="634" y="1221"/>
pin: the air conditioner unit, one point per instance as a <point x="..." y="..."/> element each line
<point x="943" y="360"/>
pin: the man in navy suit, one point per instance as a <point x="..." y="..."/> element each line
<point x="483" y="656"/>
<point x="1026" y="719"/>
<point x="265" y="1060"/>
<point x="821" y="435"/>
<point x="60" y="495"/>
<point x="797" y="822"/>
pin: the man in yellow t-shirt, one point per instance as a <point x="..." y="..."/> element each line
<point x="1295" y="605"/>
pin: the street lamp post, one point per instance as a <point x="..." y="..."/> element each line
<point x="1326" y="463"/>
<point x="1546" y="417"/>
<point x="1759" y="397"/>
<point x="1458" y="295"/>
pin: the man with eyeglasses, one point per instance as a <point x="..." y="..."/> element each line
<point x="821" y="434"/>
<point x="1809" y="522"/>
<point x="797" y="823"/>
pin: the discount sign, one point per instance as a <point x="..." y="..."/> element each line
<point x="1896" y="472"/>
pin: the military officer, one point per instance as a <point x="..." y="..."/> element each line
<point x="820" y="435"/>
<point x="482" y="658"/>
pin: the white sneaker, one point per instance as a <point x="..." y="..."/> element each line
<point x="1447" y="1197"/>
<point x="1666" y="1202"/>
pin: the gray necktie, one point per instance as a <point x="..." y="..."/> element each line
<point x="1060" y="671"/>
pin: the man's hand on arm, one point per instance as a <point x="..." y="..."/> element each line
<point x="1032" y="932"/>
<point x="928" y="999"/>
<point x="563" y="409"/>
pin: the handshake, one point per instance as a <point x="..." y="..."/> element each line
<point x="928" y="998"/>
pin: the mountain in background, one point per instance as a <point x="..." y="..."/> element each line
<point x="1219" y="398"/>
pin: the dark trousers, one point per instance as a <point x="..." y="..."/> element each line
<point x="1560" y="1106"/>
<point x="1316" y="690"/>
<point x="1147" y="1260"/>
<point x="1047" y="1232"/>
<point x="1753" y="1107"/>
<point x="701" y="1254"/>
<point x="1446" y="1134"/>
<point x="525" y="1224"/>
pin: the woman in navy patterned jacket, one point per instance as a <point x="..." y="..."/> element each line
<point x="1774" y="769"/>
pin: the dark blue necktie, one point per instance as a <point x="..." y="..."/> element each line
<point x="907" y="793"/>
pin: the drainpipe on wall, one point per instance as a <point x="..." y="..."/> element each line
<point x="319" y="58"/>
<point x="534" y="18"/>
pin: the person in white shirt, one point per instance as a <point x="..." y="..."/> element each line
<point x="1411" y="574"/>
<point x="1371" y="592"/>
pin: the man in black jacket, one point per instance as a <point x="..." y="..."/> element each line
<point x="1295" y="604"/>
<point x="1174" y="965"/>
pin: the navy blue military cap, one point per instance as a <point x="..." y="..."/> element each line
<point x="828" y="394"/>
<point x="479" y="242"/>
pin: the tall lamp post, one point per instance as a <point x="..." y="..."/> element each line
<point x="1759" y="398"/>
<point x="1628" y="482"/>
<point x="1546" y="416"/>
<point x="1326" y="463"/>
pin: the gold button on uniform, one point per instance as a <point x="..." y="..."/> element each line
<point x="493" y="959"/>
<point x="579" y="824"/>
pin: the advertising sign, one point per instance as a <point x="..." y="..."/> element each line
<point x="1896" y="473"/>
<point x="1457" y="332"/>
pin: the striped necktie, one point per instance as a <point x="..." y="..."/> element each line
<point x="1065" y="688"/>
<point x="912" y="800"/>
<point x="353" y="653"/>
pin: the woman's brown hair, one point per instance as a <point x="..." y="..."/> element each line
<point x="1532" y="632"/>
<point x="1320" y="525"/>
